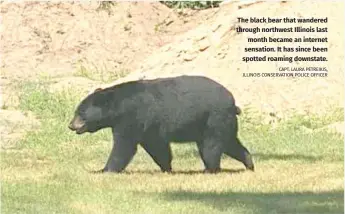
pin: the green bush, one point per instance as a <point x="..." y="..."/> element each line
<point x="191" y="4"/>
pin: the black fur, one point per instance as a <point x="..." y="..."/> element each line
<point x="154" y="113"/>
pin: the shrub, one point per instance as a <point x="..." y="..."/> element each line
<point x="199" y="5"/>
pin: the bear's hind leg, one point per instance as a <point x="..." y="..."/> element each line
<point x="237" y="151"/>
<point x="211" y="145"/>
<point x="160" y="152"/>
<point x="210" y="151"/>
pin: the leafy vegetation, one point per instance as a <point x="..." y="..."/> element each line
<point x="99" y="73"/>
<point x="106" y="6"/>
<point x="191" y="4"/>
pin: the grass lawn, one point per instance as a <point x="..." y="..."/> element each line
<point x="47" y="171"/>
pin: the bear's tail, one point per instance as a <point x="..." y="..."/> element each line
<point x="238" y="110"/>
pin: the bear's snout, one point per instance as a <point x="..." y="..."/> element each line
<point x="76" y="124"/>
<point x="70" y="126"/>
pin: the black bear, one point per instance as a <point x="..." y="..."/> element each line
<point x="154" y="113"/>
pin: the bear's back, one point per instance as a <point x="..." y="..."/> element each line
<point x="196" y="89"/>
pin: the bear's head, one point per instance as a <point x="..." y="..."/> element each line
<point x="92" y="114"/>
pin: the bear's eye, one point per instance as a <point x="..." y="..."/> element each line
<point x="81" y="113"/>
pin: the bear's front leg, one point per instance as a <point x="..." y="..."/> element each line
<point x="160" y="152"/>
<point x="121" y="154"/>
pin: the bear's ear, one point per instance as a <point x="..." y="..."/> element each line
<point x="94" y="90"/>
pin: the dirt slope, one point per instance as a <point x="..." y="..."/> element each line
<point x="56" y="39"/>
<point x="214" y="49"/>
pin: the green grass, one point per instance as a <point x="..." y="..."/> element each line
<point x="47" y="171"/>
<point x="101" y="73"/>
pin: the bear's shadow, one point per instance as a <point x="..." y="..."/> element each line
<point x="183" y="172"/>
